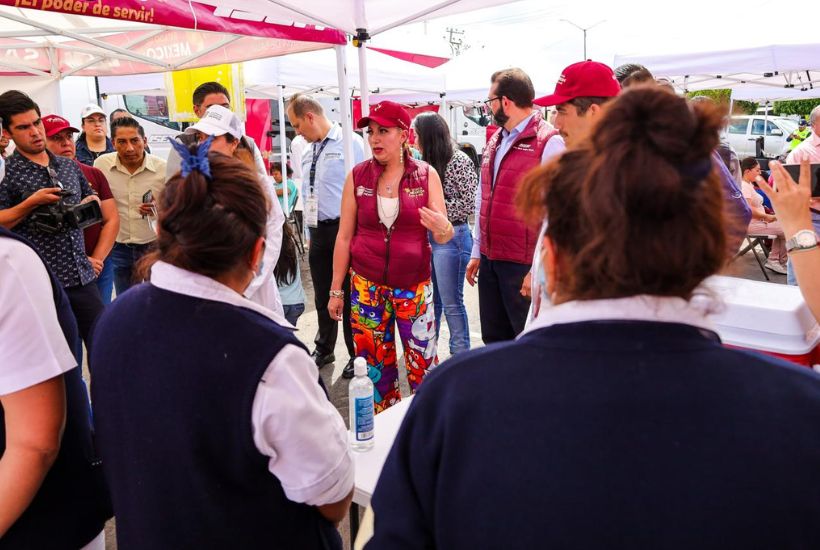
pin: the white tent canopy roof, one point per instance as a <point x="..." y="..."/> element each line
<point x="777" y="71"/>
<point x="311" y="72"/>
<point x="45" y="43"/>
<point x="467" y="77"/>
<point x="375" y="16"/>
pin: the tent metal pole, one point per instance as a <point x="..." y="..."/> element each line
<point x="344" y="106"/>
<point x="283" y="149"/>
<point x="24" y="68"/>
<point x="93" y="41"/>
<point x="363" y="88"/>
<point x="416" y="16"/>
<point x="206" y="51"/>
<point x="102" y="30"/>
<point x="97" y="59"/>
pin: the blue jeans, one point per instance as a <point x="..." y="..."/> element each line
<point x="105" y="281"/>
<point x="791" y="278"/>
<point x="124" y="257"/>
<point x="449" y="268"/>
<point x="293" y="312"/>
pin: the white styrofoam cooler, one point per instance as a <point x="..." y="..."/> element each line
<point x="766" y="317"/>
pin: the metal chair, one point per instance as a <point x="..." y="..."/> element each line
<point x="753" y="242"/>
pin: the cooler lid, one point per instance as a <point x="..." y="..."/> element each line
<point x="764" y="316"/>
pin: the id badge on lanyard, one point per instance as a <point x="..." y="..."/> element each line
<point x="312" y="210"/>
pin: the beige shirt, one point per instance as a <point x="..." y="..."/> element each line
<point x="128" y="190"/>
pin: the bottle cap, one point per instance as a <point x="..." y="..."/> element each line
<point x="360" y="366"/>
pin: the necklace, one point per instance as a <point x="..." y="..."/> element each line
<point x="388" y="185"/>
<point x="384" y="215"/>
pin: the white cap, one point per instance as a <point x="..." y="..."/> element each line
<point x="360" y="366"/>
<point x="91" y="109"/>
<point x="218" y="121"/>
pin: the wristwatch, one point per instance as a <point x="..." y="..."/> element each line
<point x="337" y="294"/>
<point x="805" y="239"/>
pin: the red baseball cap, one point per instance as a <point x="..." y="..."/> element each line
<point x="54" y="124"/>
<point x="584" y="79"/>
<point x="387" y="114"/>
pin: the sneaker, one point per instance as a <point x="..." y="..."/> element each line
<point x="776" y="267"/>
<point x="347" y="372"/>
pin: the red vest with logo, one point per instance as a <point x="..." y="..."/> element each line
<point x="504" y="236"/>
<point x="398" y="257"/>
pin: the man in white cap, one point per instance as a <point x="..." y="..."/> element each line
<point x="228" y="132"/>
<point x="93" y="141"/>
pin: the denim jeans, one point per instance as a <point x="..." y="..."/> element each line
<point x="449" y="268"/>
<point x="105" y="281"/>
<point x="293" y="312"/>
<point x="124" y="256"/>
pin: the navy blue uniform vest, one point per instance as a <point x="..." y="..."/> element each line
<point x="606" y="434"/>
<point x="72" y="505"/>
<point x="174" y="382"/>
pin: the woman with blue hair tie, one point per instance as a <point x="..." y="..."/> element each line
<point x="215" y="429"/>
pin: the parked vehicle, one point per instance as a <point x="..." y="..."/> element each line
<point x="152" y="113"/>
<point x="744" y="131"/>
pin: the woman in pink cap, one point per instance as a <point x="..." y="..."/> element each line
<point x="389" y="203"/>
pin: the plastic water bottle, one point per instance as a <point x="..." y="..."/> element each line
<point x="360" y="395"/>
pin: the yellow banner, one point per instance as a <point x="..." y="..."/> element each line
<point x="181" y="86"/>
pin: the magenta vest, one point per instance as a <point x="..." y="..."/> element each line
<point x="400" y="257"/>
<point x="504" y="236"/>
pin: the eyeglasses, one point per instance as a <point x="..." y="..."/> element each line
<point x="487" y="102"/>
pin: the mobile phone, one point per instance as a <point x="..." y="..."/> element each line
<point x="794" y="172"/>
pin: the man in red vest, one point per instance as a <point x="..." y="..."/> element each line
<point x="504" y="246"/>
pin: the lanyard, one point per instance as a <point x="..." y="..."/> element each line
<point x="316" y="155"/>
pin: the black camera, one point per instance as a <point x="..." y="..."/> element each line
<point x="59" y="216"/>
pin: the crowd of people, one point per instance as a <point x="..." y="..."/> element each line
<point x="593" y="234"/>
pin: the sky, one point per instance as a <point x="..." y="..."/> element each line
<point x="627" y="27"/>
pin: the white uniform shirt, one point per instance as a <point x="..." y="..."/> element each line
<point x="33" y="348"/>
<point x="294" y="424"/>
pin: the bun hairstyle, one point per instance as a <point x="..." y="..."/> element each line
<point x="639" y="208"/>
<point x="209" y="226"/>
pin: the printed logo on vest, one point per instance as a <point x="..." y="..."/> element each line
<point x="362" y="191"/>
<point x="523" y="147"/>
<point x="414" y="192"/>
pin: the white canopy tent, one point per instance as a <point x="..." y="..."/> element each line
<point x="310" y="72"/>
<point x="767" y="72"/>
<point x="467" y="77"/>
<point x="172" y="35"/>
<point x="118" y="37"/>
<point x="360" y="18"/>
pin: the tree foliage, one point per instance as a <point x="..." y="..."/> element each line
<point x="801" y="107"/>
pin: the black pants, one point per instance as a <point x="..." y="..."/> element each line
<point x="502" y="309"/>
<point x="320" y="258"/>
<point x="86" y="303"/>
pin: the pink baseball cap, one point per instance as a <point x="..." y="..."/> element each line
<point x="54" y="124"/>
<point x="584" y="79"/>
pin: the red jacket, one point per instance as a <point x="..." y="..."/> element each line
<point x="503" y="235"/>
<point x="399" y="257"/>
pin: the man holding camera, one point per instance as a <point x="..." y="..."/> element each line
<point x="38" y="200"/>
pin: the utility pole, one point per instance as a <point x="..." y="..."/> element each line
<point x="584" y="29"/>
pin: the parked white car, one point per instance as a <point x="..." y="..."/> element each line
<point x="743" y="131"/>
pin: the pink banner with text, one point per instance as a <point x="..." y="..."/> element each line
<point x="182" y="14"/>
